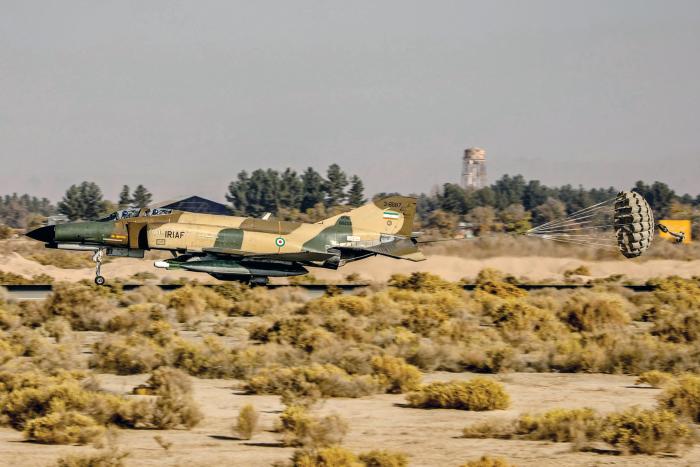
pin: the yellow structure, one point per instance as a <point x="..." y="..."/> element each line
<point x="677" y="226"/>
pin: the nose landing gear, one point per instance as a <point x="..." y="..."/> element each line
<point x="97" y="258"/>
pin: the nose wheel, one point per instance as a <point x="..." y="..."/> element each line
<point x="97" y="258"/>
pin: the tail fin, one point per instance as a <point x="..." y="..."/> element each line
<point x="393" y="215"/>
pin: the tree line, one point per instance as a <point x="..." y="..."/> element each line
<point x="514" y="204"/>
<point x="511" y="203"/>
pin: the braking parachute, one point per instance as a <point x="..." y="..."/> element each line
<point x="624" y="223"/>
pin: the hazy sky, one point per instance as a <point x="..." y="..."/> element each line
<point x="181" y="96"/>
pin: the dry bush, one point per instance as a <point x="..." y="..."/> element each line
<point x="300" y="428"/>
<point x="487" y="461"/>
<point x="127" y="355"/>
<point x="676" y="324"/>
<point x="476" y="394"/>
<point x="654" y="378"/>
<point x="514" y="316"/>
<point x="496" y="429"/>
<point x="312" y="380"/>
<point x="683" y="397"/>
<point x="595" y="311"/>
<point x="492" y="282"/>
<point x="106" y="458"/>
<point x="174" y="409"/>
<point x="332" y="456"/>
<point x="422" y="282"/>
<point x="192" y="302"/>
<point x="9" y="278"/>
<point x="382" y="458"/>
<point x="395" y="374"/>
<point x="63" y="427"/>
<point x="579" y="271"/>
<point x="5" y="232"/>
<point x="560" y="425"/>
<point x="247" y="422"/>
<point x="637" y="431"/>
<point x="208" y="359"/>
<point x="84" y="306"/>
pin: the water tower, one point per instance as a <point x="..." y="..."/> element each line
<point x="474" y="169"/>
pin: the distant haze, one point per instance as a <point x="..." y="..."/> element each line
<point x="181" y="96"/>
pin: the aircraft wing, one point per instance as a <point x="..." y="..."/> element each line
<point x="403" y="248"/>
<point x="299" y="256"/>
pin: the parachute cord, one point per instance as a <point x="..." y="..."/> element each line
<point x="574" y="215"/>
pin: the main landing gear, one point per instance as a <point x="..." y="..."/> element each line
<point x="97" y="258"/>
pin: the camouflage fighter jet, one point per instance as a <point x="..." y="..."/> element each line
<point x="244" y="249"/>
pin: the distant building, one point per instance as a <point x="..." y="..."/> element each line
<point x="474" y="169"/>
<point x="195" y="204"/>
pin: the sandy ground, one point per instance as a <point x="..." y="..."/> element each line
<point x="430" y="437"/>
<point x="381" y="268"/>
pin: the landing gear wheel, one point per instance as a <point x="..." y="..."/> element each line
<point x="97" y="258"/>
<point x="255" y="281"/>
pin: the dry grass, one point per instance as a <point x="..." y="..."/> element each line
<point x="637" y="431"/>
<point x="487" y="461"/>
<point x="476" y="394"/>
<point x="247" y="422"/>
<point x="300" y="428"/>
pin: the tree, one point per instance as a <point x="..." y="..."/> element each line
<point x="142" y="197"/>
<point x="312" y="189"/>
<point x="356" y="194"/>
<point x="335" y="185"/>
<point x="291" y="190"/>
<point x="125" y="198"/>
<point x="516" y="219"/>
<point x="237" y="193"/>
<point x="453" y="199"/>
<point x="484" y="217"/>
<point x="550" y="210"/>
<point x="82" y="201"/>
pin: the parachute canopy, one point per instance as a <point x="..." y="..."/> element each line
<point x="624" y="223"/>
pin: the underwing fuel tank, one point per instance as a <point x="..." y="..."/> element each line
<point x="237" y="268"/>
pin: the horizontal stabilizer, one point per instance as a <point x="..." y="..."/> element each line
<point x="402" y="248"/>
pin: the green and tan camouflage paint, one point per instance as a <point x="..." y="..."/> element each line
<point x="367" y="226"/>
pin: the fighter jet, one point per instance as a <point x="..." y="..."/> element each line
<point x="241" y="248"/>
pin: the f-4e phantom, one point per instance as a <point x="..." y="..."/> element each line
<point x="241" y="248"/>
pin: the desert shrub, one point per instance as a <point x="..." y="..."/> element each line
<point x="191" y="302"/>
<point x="683" y="397"/>
<point x="82" y="305"/>
<point x="300" y="428"/>
<point x="332" y="456"/>
<point x="247" y="422"/>
<point x="250" y="301"/>
<point x="645" y="431"/>
<point x="492" y="282"/>
<point x="579" y="271"/>
<point x="654" y="378"/>
<point x="5" y="232"/>
<point x="676" y="324"/>
<point x="498" y="429"/>
<point x="136" y="318"/>
<point x="516" y="316"/>
<point x="395" y="374"/>
<point x="9" y="278"/>
<point x="106" y="458"/>
<point x="476" y="394"/>
<point x="208" y="359"/>
<point x="594" y="311"/>
<point x="560" y="425"/>
<point x="174" y="409"/>
<point x="60" y="259"/>
<point x="63" y="427"/>
<point x="142" y="276"/>
<point x="312" y="380"/>
<point x="302" y="332"/>
<point x="381" y="458"/>
<point x="487" y="461"/>
<point x="127" y="355"/>
<point x="422" y="282"/>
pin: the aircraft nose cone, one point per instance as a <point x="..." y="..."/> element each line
<point x="45" y="234"/>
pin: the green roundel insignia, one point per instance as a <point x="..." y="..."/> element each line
<point x="279" y="241"/>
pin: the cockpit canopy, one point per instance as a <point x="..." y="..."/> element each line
<point x="135" y="212"/>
